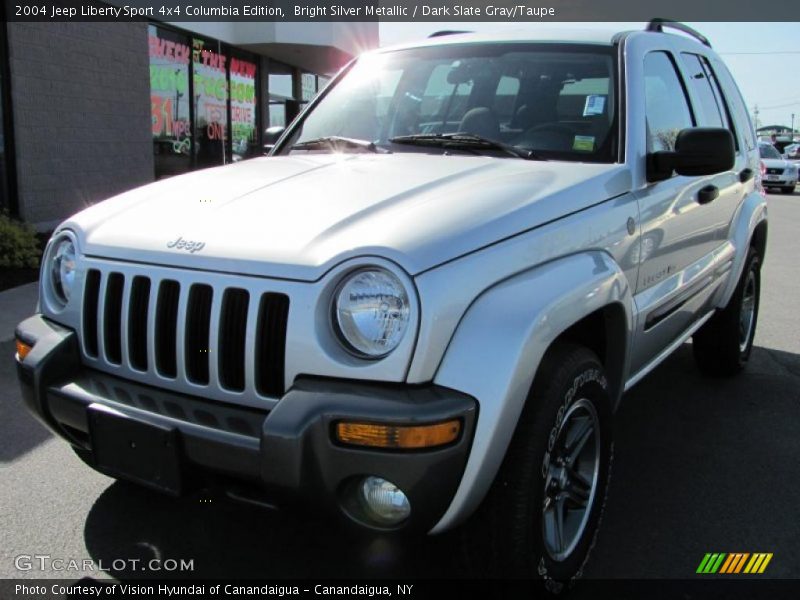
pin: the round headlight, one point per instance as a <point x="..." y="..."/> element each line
<point x="62" y="269"/>
<point x="372" y="312"/>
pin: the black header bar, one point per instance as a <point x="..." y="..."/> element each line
<point x="521" y="11"/>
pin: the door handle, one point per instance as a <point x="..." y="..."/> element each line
<point x="707" y="194"/>
<point x="745" y="175"/>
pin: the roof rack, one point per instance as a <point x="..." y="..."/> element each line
<point x="659" y="25"/>
<point x="447" y="32"/>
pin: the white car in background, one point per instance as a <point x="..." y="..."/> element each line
<point x="780" y="173"/>
<point x="792" y="152"/>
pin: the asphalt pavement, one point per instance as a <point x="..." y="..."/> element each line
<point x="701" y="465"/>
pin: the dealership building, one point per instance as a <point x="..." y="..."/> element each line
<point x="92" y="109"/>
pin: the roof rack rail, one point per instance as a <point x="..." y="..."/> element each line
<point x="447" y="32"/>
<point x="659" y="25"/>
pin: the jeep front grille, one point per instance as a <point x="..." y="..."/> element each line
<point x="194" y="333"/>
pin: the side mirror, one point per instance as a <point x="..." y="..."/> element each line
<point x="698" y="151"/>
<point x="271" y="135"/>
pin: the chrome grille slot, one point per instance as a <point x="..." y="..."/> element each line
<point x="137" y="322"/>
<point x="198" y="325"/>
<point x="112" y="318"/>
<point x="166" y="328"/>
<point x="232" y="334"/>
<point x="91" y="298"/>
<point x="270" y="343"/>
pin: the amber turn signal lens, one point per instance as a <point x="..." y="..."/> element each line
<point x="398" y="436"/>
<point x="22" y="350"/>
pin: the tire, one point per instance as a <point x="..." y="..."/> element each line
<point x="513" y="533"/>
<point x="789" y="189"/>
<point x="722" y="346"/>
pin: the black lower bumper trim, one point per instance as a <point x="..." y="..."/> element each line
<point x="288" y="452"/>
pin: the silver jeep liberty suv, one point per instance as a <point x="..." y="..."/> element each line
<point x="422" y="309"/>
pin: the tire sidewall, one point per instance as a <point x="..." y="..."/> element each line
<point x="587" y="381"/>
<point x="753" y="265"/>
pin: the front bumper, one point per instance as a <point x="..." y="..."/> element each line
<point x="781" y="181"/>
<point x="287" y="453"/>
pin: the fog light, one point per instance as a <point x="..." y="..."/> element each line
<point x="22" y="350"/>
<point x="384" y="502"/>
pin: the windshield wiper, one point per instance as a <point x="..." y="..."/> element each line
<point x="464" y="140"/>
<point x="336" y="142"/>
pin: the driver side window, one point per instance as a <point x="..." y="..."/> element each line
<point x="666" y="106"/>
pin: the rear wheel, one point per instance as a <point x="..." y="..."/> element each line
<point x="722" y="346"/>
<point x="541" y="516"/>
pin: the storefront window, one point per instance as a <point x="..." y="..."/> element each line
<point x="308" y="84"/>
<point x="243" y="108"/>
<point x="277" y="113"/>
<point x="169" y="101"/>
<point x="282" y="104"/>
<point x="281" y="78"/>
<point x="204" y="101"/>
<point x="210" y="103"/>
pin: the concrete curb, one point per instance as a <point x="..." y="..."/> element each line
<point x="16" y="305"/>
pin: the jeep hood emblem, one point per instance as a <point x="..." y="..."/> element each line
<point x="189" y="246"/>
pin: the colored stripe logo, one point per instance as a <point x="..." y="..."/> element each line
<point x="734" y="563"/>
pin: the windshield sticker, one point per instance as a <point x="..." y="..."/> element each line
<point x="594" y="105"/>
<point x="583" y="143"/>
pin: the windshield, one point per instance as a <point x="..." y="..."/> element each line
<point x="768" y="151"/>
<point x="556" y="101"/>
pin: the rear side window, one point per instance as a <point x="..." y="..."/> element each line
<point x="722" y="100"/>
<point x="737" y="106"/>
<point x="710" y="112"/>
<point x="666" y="107"/>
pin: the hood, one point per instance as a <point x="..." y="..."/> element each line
<point x="777" y="163"/>
<point x="296" y="216"/>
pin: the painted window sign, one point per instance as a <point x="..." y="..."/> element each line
<point x="210" y="119"/>
<point x="210" y="67"/>
<point x="169" y="100"/>
<point x="308" y="86"/>
<point x="169" y="84"/>
<point x="243" y="105"/>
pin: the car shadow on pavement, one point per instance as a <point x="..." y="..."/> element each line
<point x="701" y="465"/>
<point x="19" y="431"/>
<point x="230" y="539"/>
<point x="704" y="464"/>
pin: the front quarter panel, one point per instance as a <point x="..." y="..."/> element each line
<point x="499" y="344"/>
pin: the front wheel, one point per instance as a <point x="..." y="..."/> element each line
<point x="541" y="516"/>
<point x="722" y="346"/>
<point x="788" y="189"/>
